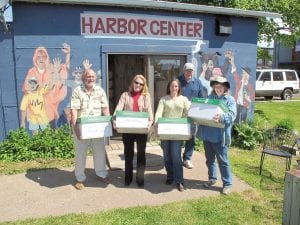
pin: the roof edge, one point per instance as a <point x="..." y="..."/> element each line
<point x="164" y="5"/>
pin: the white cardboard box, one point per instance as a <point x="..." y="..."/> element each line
<point x="203" y="110"/>
<point x="95" y="127"/>
<point x="132" y="122"/>
<point x="174" y="129"/>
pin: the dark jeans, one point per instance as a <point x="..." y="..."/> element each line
<point x="128" y="141"/>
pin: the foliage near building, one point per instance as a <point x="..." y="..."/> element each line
<point x="269" y="29"/>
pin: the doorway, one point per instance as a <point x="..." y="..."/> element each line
<point x="158" y="70"/>
<point x="121" y="70"/>
<point x="162" y="69"/>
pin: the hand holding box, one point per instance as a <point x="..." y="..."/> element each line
<point x="132" y="122"/>
<point x="204" y="110"/>
<point x="94" y="127"/>
<point x="174" y="129"/>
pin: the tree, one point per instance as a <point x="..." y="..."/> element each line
<point x="268" y="28"/>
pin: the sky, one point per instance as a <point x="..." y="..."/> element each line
<point x="8" y="15"/>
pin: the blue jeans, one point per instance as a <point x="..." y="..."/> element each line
<point x="189" y="149"/>
<point x="172" y="159"/>
<point x="213" y="151"/>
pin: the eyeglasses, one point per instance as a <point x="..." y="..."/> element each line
<point x="137" y="83"/>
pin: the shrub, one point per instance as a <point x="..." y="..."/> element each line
<point x="261" y="121"/>
<point x="49" y="143"/>
<point x="199" y="145"/>
<point x="286" y="124"/>
<point x="246" y="136"/>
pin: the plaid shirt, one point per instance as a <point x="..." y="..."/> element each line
<point x="88" y="104"/>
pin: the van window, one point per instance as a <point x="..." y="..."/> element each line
<point x="266" y="76"/>
<point x="257" y="74"/>
<point x="277" y="76"/>
<point x="290" y="75"/>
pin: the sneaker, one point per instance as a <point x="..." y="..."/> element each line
<point x="209" y="183"/>
<point x="79" y="185"/>
<point x="180" y="187"/>
<point x="187" y="164"/>
<point x="105" y="180"/>
<point x="226" y="190"/>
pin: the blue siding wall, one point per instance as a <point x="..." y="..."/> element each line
<point x="52" y="25"/>
<point x="9" y="118"/>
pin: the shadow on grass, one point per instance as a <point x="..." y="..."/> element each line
<point x="270" y="182"/>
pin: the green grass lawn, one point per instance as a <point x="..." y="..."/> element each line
<point x="279" y="110"/>
<point x="262" y="205"/>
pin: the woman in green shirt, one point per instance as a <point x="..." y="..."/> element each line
<point x="173" y="105"/>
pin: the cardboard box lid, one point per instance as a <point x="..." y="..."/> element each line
<point x="215" y="102"/>
<point x="93" y="119"/>
<point x="174" y="120"/>
<point x="132" y="114"/>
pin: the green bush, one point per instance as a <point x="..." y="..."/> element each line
<point x="246" y="136"/>
<point x="49" y="143"/>
<point x="199" y="145"/>
<point x="261" y="121"/>
<point x="286" y="124"/>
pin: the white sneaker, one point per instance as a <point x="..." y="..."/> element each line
<point x="188" y="164"/>
<point x="226" y="190"/>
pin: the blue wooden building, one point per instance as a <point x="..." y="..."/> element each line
<point x="120" y="39"/>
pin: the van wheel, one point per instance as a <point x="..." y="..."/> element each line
<point x="268" y="97"/>
<point x="287" y="94"/>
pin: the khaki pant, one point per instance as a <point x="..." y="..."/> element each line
<point x="99" y="158"/>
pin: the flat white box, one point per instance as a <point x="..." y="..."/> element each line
<point x="95" y="127"/>
<point x="174" y="129"/>
<point x="203" y="110"/>
<point x="132" y="122"/>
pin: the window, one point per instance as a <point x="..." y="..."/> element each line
<point x="266" y="76"/>
<point x="277" y="76"/>
<point x="257" y="74"/>
<point x="291" y="76"/>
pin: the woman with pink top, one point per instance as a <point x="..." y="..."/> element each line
<point x="137" y="99"/>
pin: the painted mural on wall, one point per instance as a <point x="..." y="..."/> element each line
<point x="44" y="89"/>
<point x="241" y="87"/>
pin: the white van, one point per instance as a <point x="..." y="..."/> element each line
<point x="276" y="82"/>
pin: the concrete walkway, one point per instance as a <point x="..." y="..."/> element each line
<point x="50" y="192"/>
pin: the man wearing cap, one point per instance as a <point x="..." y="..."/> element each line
<point x="191" y="87"/>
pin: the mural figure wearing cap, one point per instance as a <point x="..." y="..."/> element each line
<point x="32" y="106"/>
<point x="209" y="62"/>
<point x="217" y="140"/>
<point x="52" y="74"/>
<point x="244" y="91"/>
<point x="65" y="116"/>
<point x="206" y="83"/>
<point x="191" y="87"/>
